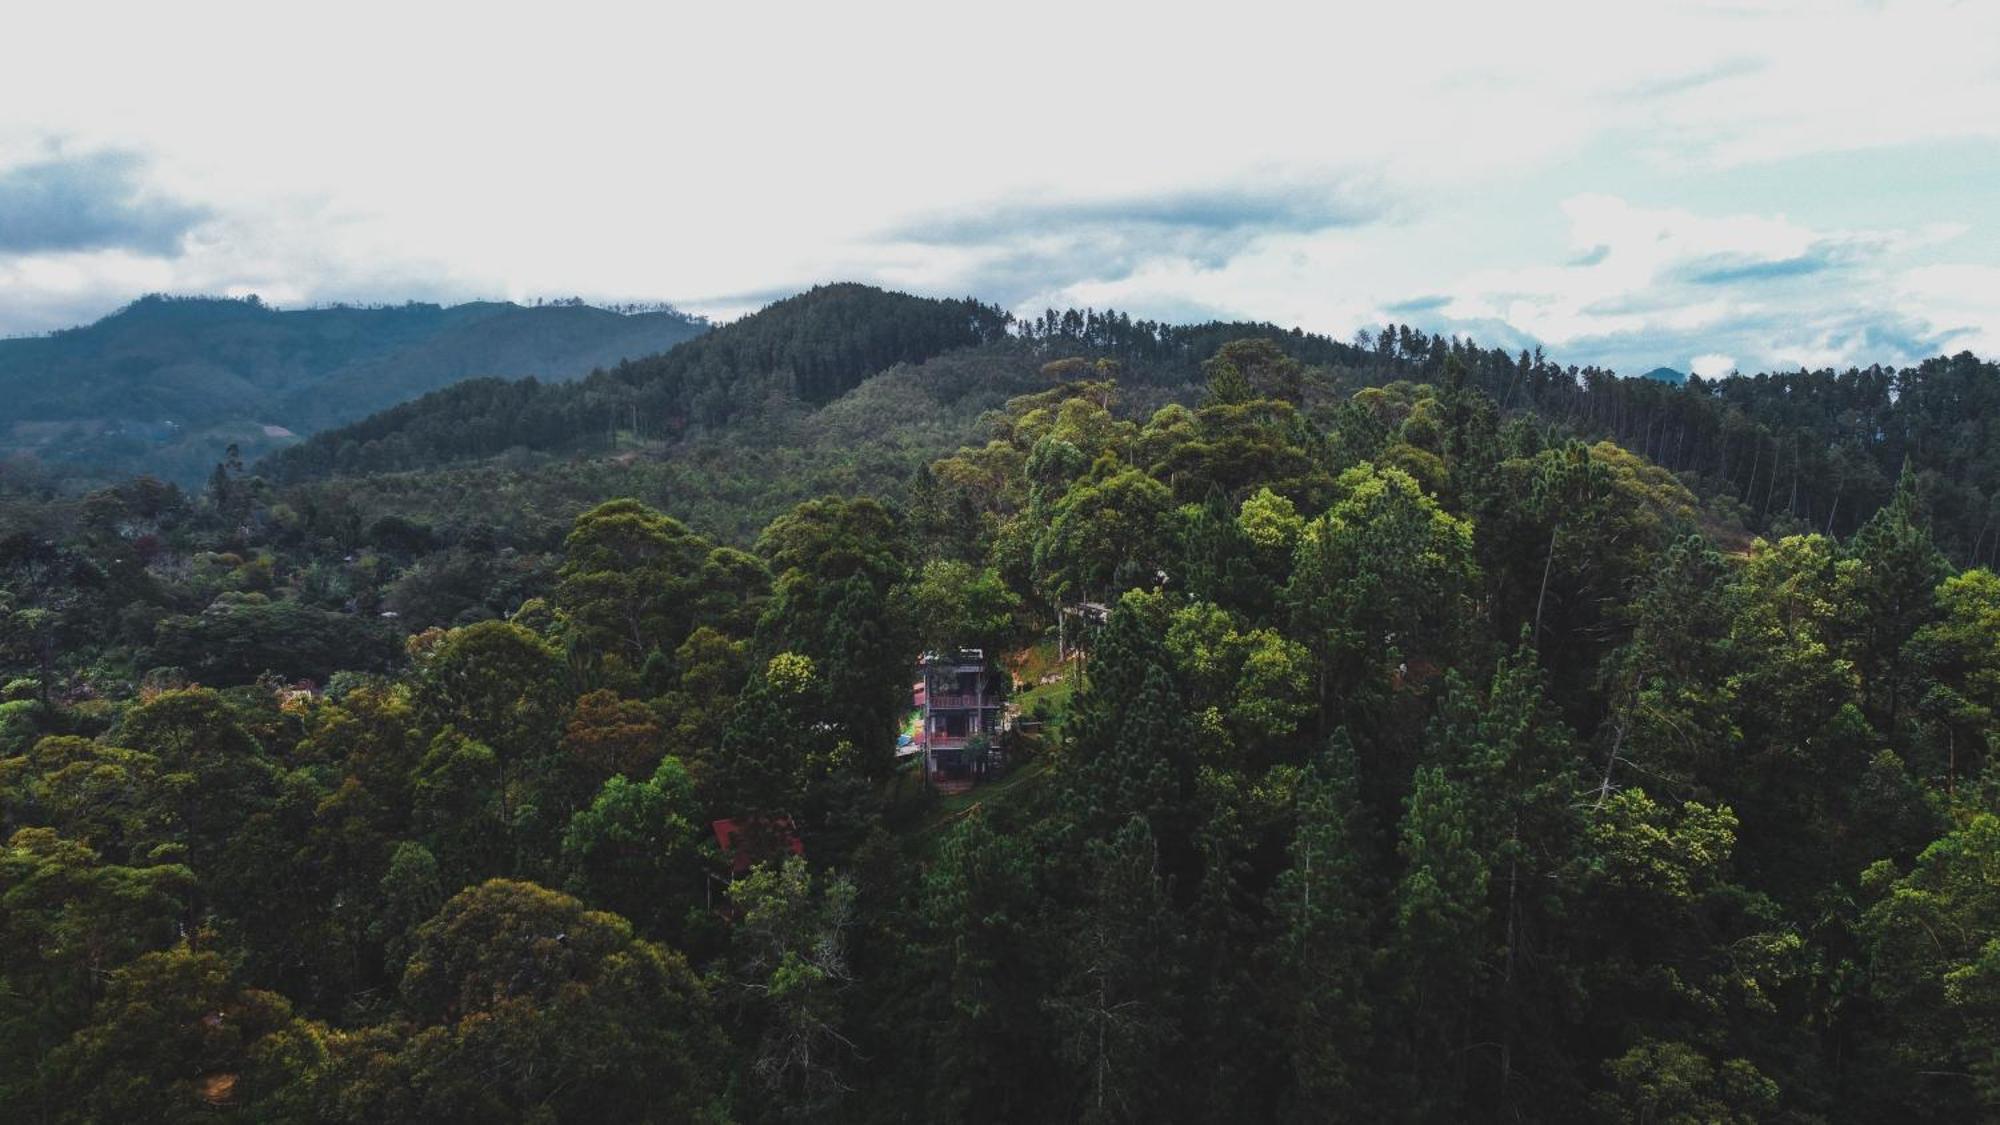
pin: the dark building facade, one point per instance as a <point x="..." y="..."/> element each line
<point x="964" y="704"/>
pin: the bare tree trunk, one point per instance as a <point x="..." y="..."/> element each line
<point x="1548" y="564"/>
<point x="1103" y="1018"/>
<point x="1792" y="505"/>
<point x="1507" y="982"/>
<point x="1772" y="488"/>
<point x="1611" y="759"/>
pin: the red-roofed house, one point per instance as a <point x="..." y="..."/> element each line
<point x="747" y="842"/>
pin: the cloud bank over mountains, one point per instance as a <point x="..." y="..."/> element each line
<point x="90" y="202"/>
<point x="1701" y="185"/>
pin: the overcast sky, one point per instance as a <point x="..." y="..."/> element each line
<point x="1749" y="184"/>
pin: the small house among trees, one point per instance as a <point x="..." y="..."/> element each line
<point x="963" y="700"/>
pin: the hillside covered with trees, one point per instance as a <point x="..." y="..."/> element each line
<point x="165" y="384"/>
<point x="1400" y="731"/>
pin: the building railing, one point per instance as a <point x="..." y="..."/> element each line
<point x="960" y="699"/>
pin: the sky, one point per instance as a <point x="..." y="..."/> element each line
<point x="1712" y="186"/>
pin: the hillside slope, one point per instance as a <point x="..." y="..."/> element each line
<point x="793" y="357"/>
<point x="1773" y="453"/>
<point x="806" y="350"/>
<point x="163" y="385"/>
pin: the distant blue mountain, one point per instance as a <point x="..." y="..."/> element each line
<point x="1665" y="375"/>
<point x="166" y="383"/>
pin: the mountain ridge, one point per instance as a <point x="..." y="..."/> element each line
<point x="164" y="383"/>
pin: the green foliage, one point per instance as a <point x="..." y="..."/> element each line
<point x="1252" y="368"/>
<point x="956" y="606"/>
<point x="68" y="918"/>
<point x="790" y="968"/>
<point x="1324" y="955"/>
<point x="1113" y="1004"/>
<point x="241" y="636"/>
<point x="1341" y="684"/>
<point x="837" y="564"/>
<point x="637" y="849"/>
<point x="497" y="691"/>
<point x="177" y="1039"/>
<point x="100" y="795"/>
<point x="1955" y="661"/>
<point x="1933" y="939"/>
<point x="522" y="1001"/>
<point x="232" y="809"/>
<point x="626" y="578"/>
<point x="1382" y="578"/>
<point x="1440" y="913"/>
<point x="1104" y="536"/>
<point x="978" y="910"/>
<point x="1676" y="1083"/>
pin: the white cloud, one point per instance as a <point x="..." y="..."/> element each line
<point x="1712" y="365"/>
<point x="1639" y="285"/>
<point x="711" y="154"/>
<point x="1961" y="301"/>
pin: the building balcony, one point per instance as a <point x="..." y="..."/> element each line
<point x="960" y="701"/>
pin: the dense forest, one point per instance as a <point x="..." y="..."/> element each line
<point x="1401" y="730"/>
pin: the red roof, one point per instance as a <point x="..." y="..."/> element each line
<point x="775" y="830"/>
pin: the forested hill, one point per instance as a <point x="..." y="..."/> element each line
<point x="800" y="353"/>
<point x="1774" y="453"/>
<point x="1386" y="754"/>
<point x="166" y="384"/>
<point x="1771" y="453"/>
<point x="807" y="349"/>
<point x="1790" y="452"/>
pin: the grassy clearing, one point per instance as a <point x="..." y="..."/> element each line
<point x="1032" y="663"/>
<point x="1043" y="702"/>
